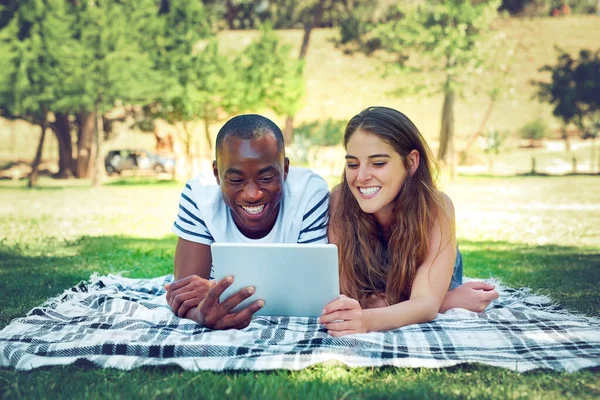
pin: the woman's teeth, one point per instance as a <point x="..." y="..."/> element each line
<point x="370" y="190"/>
<point x="254" y="210"/>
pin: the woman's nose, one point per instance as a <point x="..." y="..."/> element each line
<point x="364" y="174"/>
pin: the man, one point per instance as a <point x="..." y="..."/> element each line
<point x="258" y="198"/>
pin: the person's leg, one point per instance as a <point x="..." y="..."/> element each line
<point x="473" y="296"/>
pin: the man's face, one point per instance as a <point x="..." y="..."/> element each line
<point x="251" y="174"/>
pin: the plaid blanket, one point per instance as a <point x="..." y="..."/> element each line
<point x="125" y="323"/>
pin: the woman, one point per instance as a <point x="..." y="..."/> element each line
<point x="394" y="231"/>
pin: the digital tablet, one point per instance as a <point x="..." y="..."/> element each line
<point x="293" y="279"/>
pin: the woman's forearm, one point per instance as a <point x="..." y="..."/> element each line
<point x="413" y="311"/>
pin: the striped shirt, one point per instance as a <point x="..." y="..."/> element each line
<point x="204" y="218"/>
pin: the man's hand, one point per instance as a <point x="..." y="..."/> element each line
<point x="214" y="315"/>
<point x="474" y="296"/>
<point x="185" y="294"/>
<point x="347" y="314"/>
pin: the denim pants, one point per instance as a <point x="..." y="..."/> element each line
<point x="457" y="275"/>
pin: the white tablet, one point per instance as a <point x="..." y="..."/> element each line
<point x="293" y="279"/>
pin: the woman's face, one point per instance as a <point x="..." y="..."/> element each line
<point x="375" y="173"/>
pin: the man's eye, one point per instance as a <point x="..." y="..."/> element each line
<point x="235" y="181"/>
<point x="266" y="179"/>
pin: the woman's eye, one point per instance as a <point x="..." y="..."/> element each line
<point x="352" y="166"/>
<point x="379" y="163"/>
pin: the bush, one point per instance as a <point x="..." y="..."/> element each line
<point x="534" y="130"/>
<point x="321" y="133"/>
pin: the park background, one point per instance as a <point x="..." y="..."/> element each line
<point x="163" y="76"/>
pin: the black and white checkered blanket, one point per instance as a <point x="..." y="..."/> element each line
<point x="125" y="323"/>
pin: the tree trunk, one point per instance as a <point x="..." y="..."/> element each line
<point x="486" y="116"/>
<point x="62" y="130"/>
<point x="13" y="137"/>
<point x="187" y="143"/>
<point x="288" y="132"/>
<point x="35" y="165"/>
<point x="564" y="133"/>
<point x="99" y="136"/>
<point x="207" y="130"/>
<point x="598" y="7"/>
<point x="230" y="15"/>
<point x="446" y="149"/>
<point x="592" y="155"/>
<point x="85" y="148"/>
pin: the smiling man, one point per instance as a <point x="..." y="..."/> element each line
<point x="257" y="197"/>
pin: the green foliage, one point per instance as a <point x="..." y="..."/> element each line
<point x="574" y="89"/>
<point x="272" y="77"/>
<point x="322" y="133"/>
<point x="494" y="141"/>
<point x="534" y="130"/>
<point x="112" y="66"/>
<point x="38" y="59"/>
<point x="67" y="56"/>
<point x="448" y="37"/>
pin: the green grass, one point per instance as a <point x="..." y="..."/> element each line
<point x="541" y="232"/>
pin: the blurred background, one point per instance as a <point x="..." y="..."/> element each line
<point x="97" y="89"/>
<point x="107" y="106"/>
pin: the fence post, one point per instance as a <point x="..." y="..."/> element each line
<point x="574" y="165"/>
<point x="532" y="165"/>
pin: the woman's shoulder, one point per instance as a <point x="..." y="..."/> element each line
<point x="446" y="203"/>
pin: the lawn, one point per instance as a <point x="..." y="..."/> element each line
<point x="541" y="232"/>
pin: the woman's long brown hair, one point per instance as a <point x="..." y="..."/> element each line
<point x="374" y="260"/>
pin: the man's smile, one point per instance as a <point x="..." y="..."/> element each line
<point x="253" y="210"/>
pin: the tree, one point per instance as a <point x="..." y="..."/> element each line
<point x="36" y="67"/>
<point x="271" y="77"/>
<point x="439" y="44"/>
<point x="311" y="20"/>
<point x="171" y="41"/>
<point x="574" y="91"/>
<point x="113" y="68"/>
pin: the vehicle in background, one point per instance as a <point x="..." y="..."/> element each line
<point x="117" y="161"/>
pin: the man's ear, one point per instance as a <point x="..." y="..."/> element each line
<point x="216" y="172"/>
<point x="286" y="168"/>
<point x="413" y="161"/>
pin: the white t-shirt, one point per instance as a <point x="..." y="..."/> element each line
<point x="204" y="218"/>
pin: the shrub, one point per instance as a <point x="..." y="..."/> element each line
<point x="321" y="133"/>
<point x="534" y="130"/>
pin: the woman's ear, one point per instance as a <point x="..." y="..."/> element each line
<point x="413" y="161"/>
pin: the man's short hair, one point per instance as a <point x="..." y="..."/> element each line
<point x="249" y="127"/>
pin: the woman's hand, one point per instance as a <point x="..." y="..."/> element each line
<point x="474" y="296"/>
<point x="343" y="316"/>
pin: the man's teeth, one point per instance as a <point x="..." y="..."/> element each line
<point x="254" y="210"/>
<point x="370" y="190"/>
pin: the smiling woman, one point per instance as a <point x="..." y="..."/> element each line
<point x="395" y="232"/>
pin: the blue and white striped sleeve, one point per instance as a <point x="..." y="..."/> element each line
<point x="189" y="224"/>
<point x="315" y="218"/>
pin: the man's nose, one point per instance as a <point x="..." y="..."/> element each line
<point x="252" y="193"/>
